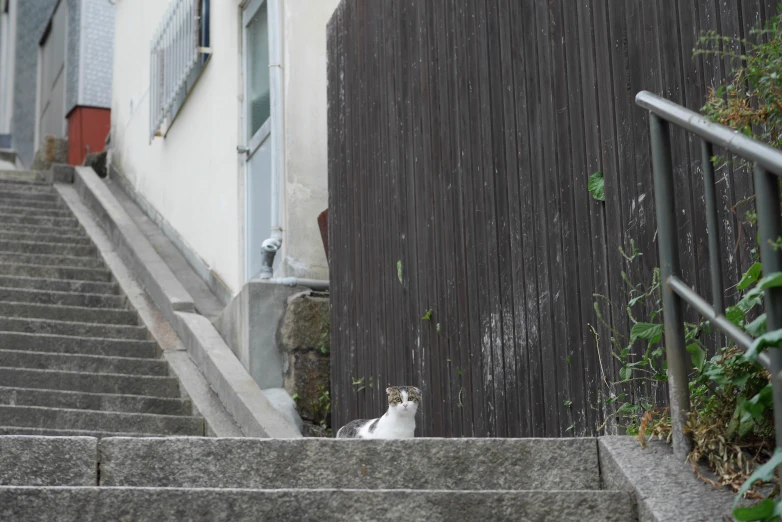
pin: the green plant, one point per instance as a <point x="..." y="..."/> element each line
<point x="324" y="341"/>
<point x="321" y="406"/>
<point x="359" y="383"/>
<point x="752" y="101"/>
<point x="428" y="315"/>
<point x="596" y="186"/>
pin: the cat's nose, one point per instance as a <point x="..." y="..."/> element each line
<point x="405" y="405"/>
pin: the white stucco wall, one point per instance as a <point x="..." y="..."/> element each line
<point x="306" y="183"/>
<point x="194" y="177"/>
<point x="190" y="177"/>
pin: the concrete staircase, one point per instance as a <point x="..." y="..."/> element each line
<point x="212" y="479"/>
<point x="74" y="357"/>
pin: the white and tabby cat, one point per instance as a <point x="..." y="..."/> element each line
<point x="397" y="423"/>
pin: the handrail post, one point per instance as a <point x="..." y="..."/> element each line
<point x="673" y="317"/>
<point x="712" y="223"/>
<point x="769" y="230"/>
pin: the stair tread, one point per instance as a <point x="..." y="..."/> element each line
<point x="55" y="343"/>
<point x="94" y="401"/>
<point x="56" y="432"/>
<point x="99" y="364"/>
<point x="108" y="421"/>
<point x="39" y="283"/>
<point x="121" y="384"/>
<point x="101" y="503"/>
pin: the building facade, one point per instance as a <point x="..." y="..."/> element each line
<point x="219" y="126"/>
<point x="55" y="75"/>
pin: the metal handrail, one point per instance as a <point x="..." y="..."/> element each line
<point x="767" y="166"/>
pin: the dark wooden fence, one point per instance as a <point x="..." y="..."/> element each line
<point x="462" y="134"/>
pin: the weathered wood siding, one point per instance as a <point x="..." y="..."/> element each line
<point x="461" y="137"/>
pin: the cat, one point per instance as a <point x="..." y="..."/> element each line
<point x="397" y="423"/>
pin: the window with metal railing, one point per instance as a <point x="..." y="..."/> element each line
<point x="178" y="53"/>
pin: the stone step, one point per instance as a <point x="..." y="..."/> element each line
<point x="48" y="461"/>
<point x="51" y="260"/>
<point x="21" y="295"/>
<point x="58" y="418"/>
<point x="48" y="248"/>
<point x="42" y="432"/>
<point x="19" y="191"/>
<point x="38" y="221"/>
<point x="47" y="326"/>
<point x="89" y="382"/>
<point x="24" y="210"/>
<point x="33" y="232"/>
<point x="54" y="204"/>
<point x="59" y="285"/>
<point x="89" y="504"/>
<point x="79" y="314"/>
<point x="423" y="463"/>
<point x="37" y="342"/>
<point x="55" y="272"/>
<point x="29" y="177"/>
<point x="94" y="401"/>
<point x="82" y="363"/>
<point x="78" y="239"/>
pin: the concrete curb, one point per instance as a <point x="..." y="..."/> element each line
<point x="166" y="291"/>
<point x="665" y="488"/>
<point x="240" y="394"/>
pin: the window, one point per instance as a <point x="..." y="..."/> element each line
<point x="179" y="51"/>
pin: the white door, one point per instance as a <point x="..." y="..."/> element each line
<point x="257" y="134"/>
<point x="51" y="86"/>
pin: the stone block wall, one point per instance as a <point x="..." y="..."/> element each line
<point x="303" y="338"/>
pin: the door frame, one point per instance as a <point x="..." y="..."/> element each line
<point x="252" y="142"/>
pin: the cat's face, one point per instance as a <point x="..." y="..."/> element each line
<point x="403" y="400"/>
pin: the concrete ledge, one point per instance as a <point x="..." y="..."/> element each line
<point x="166" y="291"/>
<point x="100" y="504"/>
<point x="665" y="488"/>
<point x="48" y="461"/>
<point x="425" y="464"/>
<point x="239" y="393"/>
<point x="218" y="288"/>
<point x="192" y="382"/>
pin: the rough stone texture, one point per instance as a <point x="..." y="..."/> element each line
<point x="69" y="313"/>
<point x="61" y="173"/>
<point x="665" y="488"/>
<point x="55" y="418"/>
<point x="94" y="401"/>
<point x="481" y="464"/>
<point x="306" y="366"/>
<point x="47" y="461"/>
<point x="77" y="345"/>
<point x="249" y="326"/>
<point x="51" y="150"/>
<point x="96" y="161"/>
<point x="48" y="326"/>
<point x="100" y="504"/>
<point x="90" y="382"/>
<point x="82" y="363"/>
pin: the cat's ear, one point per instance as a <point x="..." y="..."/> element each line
<point x="388" y="390"/>
<point x="415" y="390"/>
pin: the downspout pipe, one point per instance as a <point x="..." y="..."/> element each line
<point x="315" y="284"/>
<point x="273" y="243"/>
